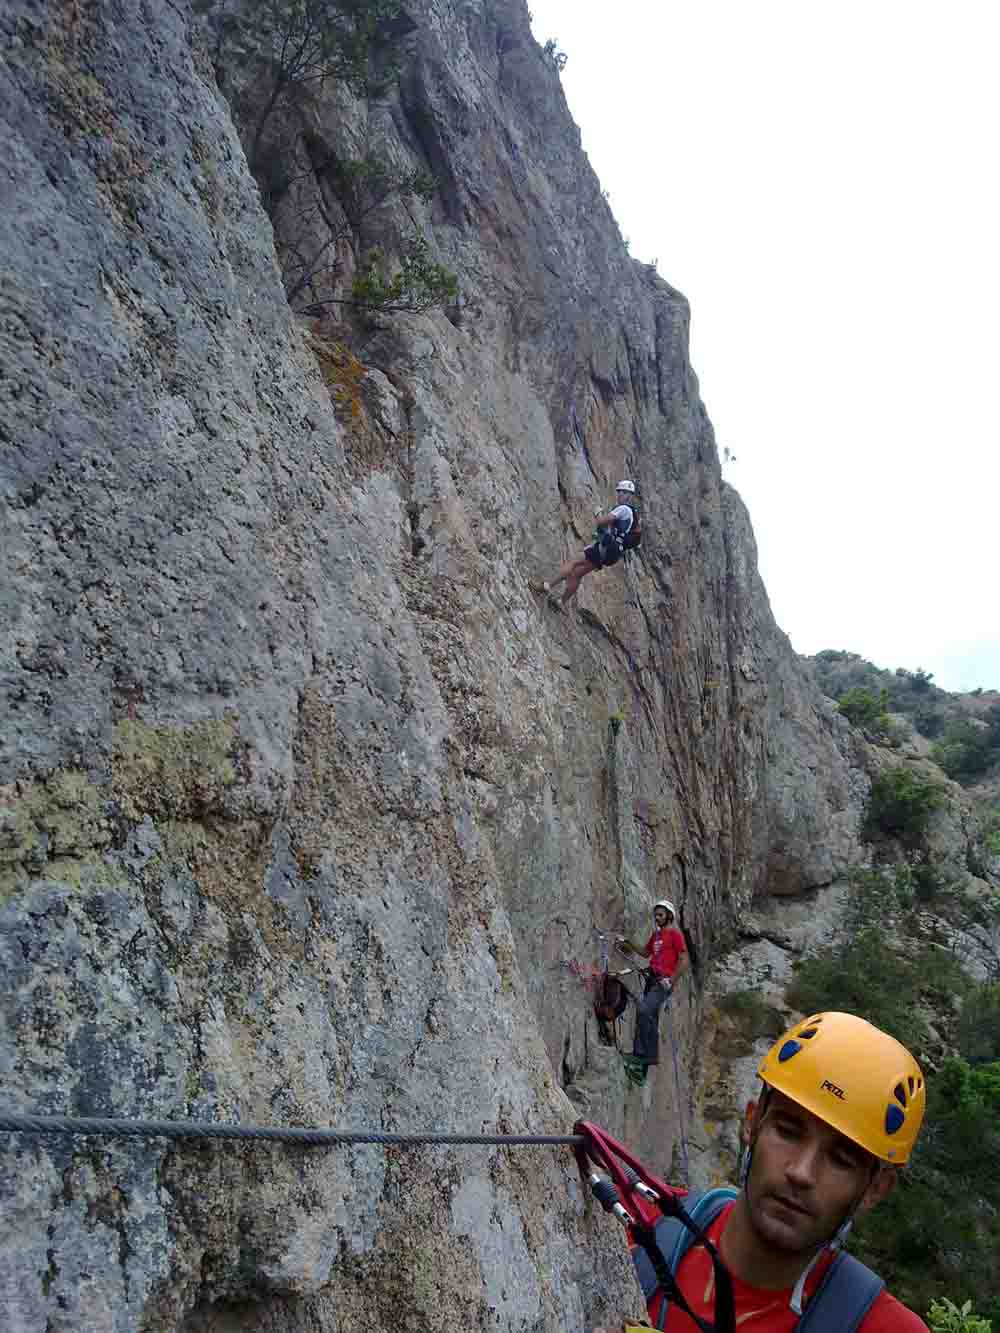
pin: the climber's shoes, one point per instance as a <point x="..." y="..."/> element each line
<point x="635" y="1068"/>
<point x="546" y="590"/>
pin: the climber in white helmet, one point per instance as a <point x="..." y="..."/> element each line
<point x="667" y="954"/>
<point x="618" y="530"/>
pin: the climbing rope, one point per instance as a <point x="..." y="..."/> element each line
<point x="680" y="1100"/>
<point x="194" y="1129"/>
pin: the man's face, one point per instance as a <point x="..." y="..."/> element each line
<point x="805" y="1178"/>
<point x="661" y="916"/>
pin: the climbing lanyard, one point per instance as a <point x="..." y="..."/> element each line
<point x="671" y="1032"/>
<point x="648" y="1201"/>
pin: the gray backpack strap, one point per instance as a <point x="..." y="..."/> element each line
<point x="843" y="1298"/>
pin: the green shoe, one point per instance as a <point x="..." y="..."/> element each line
<point x="635" y="1068"/>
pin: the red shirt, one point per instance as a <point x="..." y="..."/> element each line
<point x="665" y="948"/>
<point x="767" y="1311"/>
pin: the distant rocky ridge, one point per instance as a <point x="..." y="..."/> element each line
<point x="306" y="800"/>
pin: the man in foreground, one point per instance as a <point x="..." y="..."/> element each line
<point x="838" y="1116"/>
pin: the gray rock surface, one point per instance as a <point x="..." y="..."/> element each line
<point x="306" y="801"/>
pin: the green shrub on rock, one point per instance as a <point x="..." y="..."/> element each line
<point x="752" y="1015"/>
<point x="901" y="802"/>
<point x="864" y="709"/>
<point x="418" y="284"/>
<point x="964" y="751"/>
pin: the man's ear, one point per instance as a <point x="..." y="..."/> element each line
<point x="747" y="1127"/>
<point x="880" y="1188"/>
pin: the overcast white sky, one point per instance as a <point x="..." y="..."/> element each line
<point x="821" y="181"/>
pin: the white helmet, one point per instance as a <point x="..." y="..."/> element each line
<point x="626" y="486"/>
<point x="668" y="906"/>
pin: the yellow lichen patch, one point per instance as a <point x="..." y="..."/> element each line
<point x="342" y="373"/>
<point x="173" y="773"/>
<point x="228" y="860"/>
<point x="506" y="964"/>
<point x="55" y="826"/>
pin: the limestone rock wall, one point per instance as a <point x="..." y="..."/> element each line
<point x="306" y="801"/>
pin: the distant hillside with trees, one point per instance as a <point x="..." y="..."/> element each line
<point x="920" y="957"/>
<point x="964" y="729"/>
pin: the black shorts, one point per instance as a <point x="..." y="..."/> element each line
<point x="602" y="554"/>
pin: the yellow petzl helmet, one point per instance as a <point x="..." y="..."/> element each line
<point x="854" y="1077"/>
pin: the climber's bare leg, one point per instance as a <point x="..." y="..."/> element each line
<point x="577" y="572"/>
<point x="565" y="571"/>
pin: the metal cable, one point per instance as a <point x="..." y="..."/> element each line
<point x="193" y="1129"/>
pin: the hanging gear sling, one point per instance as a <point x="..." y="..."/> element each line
<point x="611" y="999"/>
<point x="848" y="1290"/>
<point x="610" y="1002"/>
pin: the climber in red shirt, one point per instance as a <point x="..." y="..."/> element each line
<point x="665" y="948"/>
<point x="841" y="1107"/>
<point x="667" y="954"/>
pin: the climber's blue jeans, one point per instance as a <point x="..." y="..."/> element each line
<point x="647" y="1024"/>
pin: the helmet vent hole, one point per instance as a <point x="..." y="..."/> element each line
<point x="912" y="1085"/>
<point x="789" y="1049"/>
<point x="899" y="1092"/>
<point x="809" y="1032"/>
<point x="894" y="1119"/>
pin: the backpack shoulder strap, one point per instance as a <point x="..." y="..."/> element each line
<point x="843" y="1298"/>
<point x="630" y="539"/>
<point x="673" y="1240"/>
<point x="703" y="1210"/>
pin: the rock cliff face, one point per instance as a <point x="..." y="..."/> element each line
<point x="307" y="800"/>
